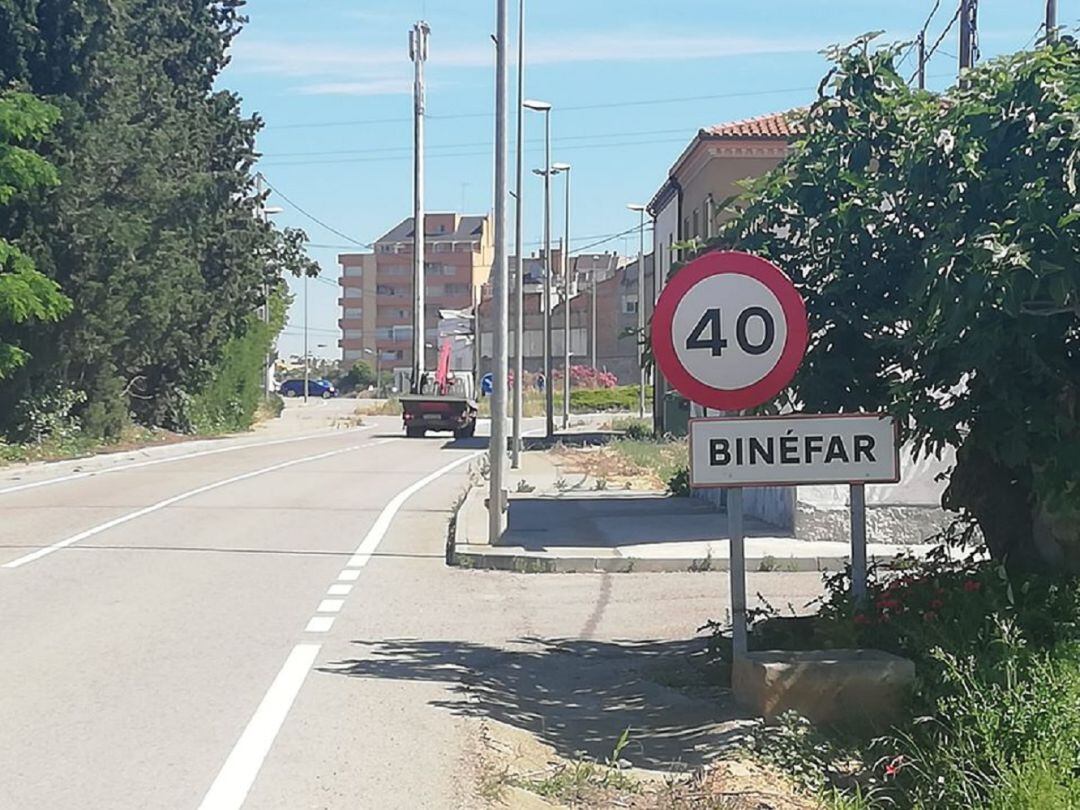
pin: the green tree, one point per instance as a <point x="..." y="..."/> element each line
<point x="154" y="231"/>
<point x="25" y="294"/>
<point x="936" y="240"/>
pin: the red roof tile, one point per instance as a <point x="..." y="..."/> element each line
<point x="776" y="125"/>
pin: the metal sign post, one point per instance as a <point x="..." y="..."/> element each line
<point x="737" y="553"/>
<point x="858" y="542"/>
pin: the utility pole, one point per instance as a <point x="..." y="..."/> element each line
<point x="640" y="306"/>
<point x="500" y="291"/>
<point x="418" y="53"/>
<point x="549" y="397"/>
<point x="922" y="59"/>
<point x="307" y="356"/>
<point x="519" y="246"/>
<point x="592" y="329"/>
<point x="969" y="37"/>
<point x="1051" y="21"/>
<point x="564" y="168"/>
<point x="265" y="286"/>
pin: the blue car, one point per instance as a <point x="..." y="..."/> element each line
<point x="316" y="388"/>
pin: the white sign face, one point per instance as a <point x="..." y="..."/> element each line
<point x="729" y="331"/>
<point x="788" y="450"/>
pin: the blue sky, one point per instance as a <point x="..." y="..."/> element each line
<point x="631" y="81"/>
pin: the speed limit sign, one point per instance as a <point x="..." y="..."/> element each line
<point x="729" y="331"/>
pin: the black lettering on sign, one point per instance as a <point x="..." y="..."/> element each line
<point x="864" y="445"/>
<point x="744" y="339"/>
<point x="719" y="452"/>
<point x="789" y="449"/>
<point x="738" y="452"/>
<point x="815" y="445"/>
<point x="836" y="451"/>
<point x="710" y="322"/>
<point x="764" y="452"/>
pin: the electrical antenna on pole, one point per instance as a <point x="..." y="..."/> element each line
<point x="418" y="53"/>
<point x="921" y="46"/>
<point x="969" y="33"/>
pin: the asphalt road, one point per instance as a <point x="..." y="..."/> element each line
<point x="268" y="622"/>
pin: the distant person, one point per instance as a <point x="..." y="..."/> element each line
<point x="540" y="381"/>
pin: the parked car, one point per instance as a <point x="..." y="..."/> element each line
<point x="316" y="388"/>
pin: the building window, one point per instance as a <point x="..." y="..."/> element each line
<point x="629" y="304"/>
<point x="697" y="225"/>
<point x="354" y="312"/>
<point x="354" y="334"/>
<point x="685" y="228"/>
<point x="352" y="271"/>
<point x="395" y="270"/>
<point x="400" y="332"/>
<point x="457" y="289"/>
<point x="383" y="333"/>
<point x="383" y="289"/>
<point x="354" y="292"/>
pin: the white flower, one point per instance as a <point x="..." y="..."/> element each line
<point x="946" y="141"/>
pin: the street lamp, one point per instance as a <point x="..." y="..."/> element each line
<point x="545" y="108"/>
<point x="641" y="306"/>
<point x="564" y="168"/>
<point x="519" y="290"/>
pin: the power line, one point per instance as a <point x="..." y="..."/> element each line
<point x="570" y="108"/>
<point x="604" y="145"/>
<point x="383" y="150"/>
<point x="311" y="216"/>
<point x="941" y="37"/>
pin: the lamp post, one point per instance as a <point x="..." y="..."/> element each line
<point x="545" y="108"/>
<point x="640" y="305"/>
<point x="564" y="168"/>
<point x="307" y="363"/>
<point x="519" y="289"/>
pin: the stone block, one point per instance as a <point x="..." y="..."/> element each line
<point x="857" y="689"/>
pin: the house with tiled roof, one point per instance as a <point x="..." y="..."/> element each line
<point x="689" y="204"/>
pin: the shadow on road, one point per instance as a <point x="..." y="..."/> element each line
<point x="577" y="696"/>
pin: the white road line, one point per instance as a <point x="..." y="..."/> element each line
<point x="111" y="524"/>
<point x="319" y="624"/>
<point x="153" y="462"/>
<point x="375" y="535"/>
<point x="349" y="575"/>
<point x="339" y="590"/>
<point x="237" y="775"/>
<point x="330" y="605"/>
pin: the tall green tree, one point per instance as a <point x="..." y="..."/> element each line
<point x="154" y="230"/>
<point x="25" y="294"/>
<point x="936" y="239"/>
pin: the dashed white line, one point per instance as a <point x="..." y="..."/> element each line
<point x="154" y="462"/>
<point x="183" y="496"/>
<point x="349" y="575"/>
<point x="339" y="590"/>
<point x="319" y="624"/>
<point x="237" y="775"/>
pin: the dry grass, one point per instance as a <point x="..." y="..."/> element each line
<point x="627" y="463"/>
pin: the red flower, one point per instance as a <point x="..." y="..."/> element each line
<point x="893" y="768"/>
<point x="936" y="604"/>
<point x="929" y="616"/>
<point x="972" y="585"/>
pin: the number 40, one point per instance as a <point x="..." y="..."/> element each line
<point x="708" y="334"/>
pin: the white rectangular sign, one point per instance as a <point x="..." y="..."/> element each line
<point x="798" y="449"/>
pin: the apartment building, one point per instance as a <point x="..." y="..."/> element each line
<point x="377" y="288"/>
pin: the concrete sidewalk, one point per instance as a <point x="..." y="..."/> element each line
<point x="560" y="522"/>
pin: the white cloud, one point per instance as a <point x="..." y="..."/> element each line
<point x="373" y="87"/>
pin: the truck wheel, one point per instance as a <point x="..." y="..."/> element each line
<point x="415" y="432"/>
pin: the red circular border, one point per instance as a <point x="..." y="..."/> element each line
<point x="714" y="264"/>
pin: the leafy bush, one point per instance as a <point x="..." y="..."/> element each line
<point x="228" y="401"/>
<point x="997" y="700"/>
<point x="622" y="398"/>
<point x="588" y="377"/>
<point x="679" y="482"/>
